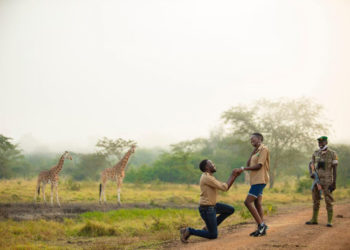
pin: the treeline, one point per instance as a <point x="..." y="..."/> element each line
<point x="290" y="128"/>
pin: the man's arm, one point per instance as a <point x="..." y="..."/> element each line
<point x="232" y="178"/>
<point x="213" y="182"/>
<point x="311" y="169"/>
<point x="255" y="167"/>
<point x="333" y="186"/>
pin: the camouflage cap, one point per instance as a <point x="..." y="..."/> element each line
<point x="322" y="138"/>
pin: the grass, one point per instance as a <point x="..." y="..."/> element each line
<point x="129" y="228"/>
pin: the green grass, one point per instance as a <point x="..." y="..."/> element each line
<point x="130" y="228"/>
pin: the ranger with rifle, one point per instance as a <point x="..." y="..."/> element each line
<point x="325" y="162"/>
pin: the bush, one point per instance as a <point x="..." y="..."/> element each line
<point x="303" y="184"/>
<point x="72" y="185"/>
<point x="92" y="229"/>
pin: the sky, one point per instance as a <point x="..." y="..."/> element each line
<point x="163" y="71"/>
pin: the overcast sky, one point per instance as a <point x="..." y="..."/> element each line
<point x="162" y="71"/>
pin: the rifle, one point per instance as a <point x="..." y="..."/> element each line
<point x="316" y="180"/>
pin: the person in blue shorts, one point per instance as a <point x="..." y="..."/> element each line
<point x="258" y="164"/>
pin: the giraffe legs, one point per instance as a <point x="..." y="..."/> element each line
<point x="58" y="201"/>
<point x="119" y="186"/>
<point x="102" y="191"/>
<point x="44" y="184"/>
<point x="37" y="190"/>
<point x="51" y="198"/>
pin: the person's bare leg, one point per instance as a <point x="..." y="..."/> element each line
<point x="258" y="205"/>
<point x="249" y="203"/>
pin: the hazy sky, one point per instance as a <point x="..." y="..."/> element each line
<point x="162" y="71"/>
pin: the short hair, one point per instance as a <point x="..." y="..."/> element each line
<point x="260" y="136"/>
<point x="203" y="164"/>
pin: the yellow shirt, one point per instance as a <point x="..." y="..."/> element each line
<point x="209" y="186"/>
<point x="262" y="156"/>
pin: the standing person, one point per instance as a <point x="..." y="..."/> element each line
<point x="208" y="208"/>
<point x="258" y="164"/>
<point x="325" y="162"/>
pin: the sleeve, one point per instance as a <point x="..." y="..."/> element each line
<point x="334" y="158"/>
<point x="263" y="156"/>
<point x="313" y="159"/>
<point x="212" y="182"/>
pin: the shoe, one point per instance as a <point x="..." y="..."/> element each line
<point x="261" y="231"/>
<point x="256" y="232"/>
<point x="311" y="222"/>
<point x="329" y="225"/>
<point x="184" y="234"/>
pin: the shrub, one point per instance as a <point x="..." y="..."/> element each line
<point x="93" y="229"/>
<point x="303" y="184"/>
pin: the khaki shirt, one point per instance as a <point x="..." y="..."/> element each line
<point x="209" y="186"/>
<point x="262" y="156"/>
<point x="329" y="158"/>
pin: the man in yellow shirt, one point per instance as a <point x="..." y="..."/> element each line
<point x="258" y="164"/>
<point x="208" y="208"/>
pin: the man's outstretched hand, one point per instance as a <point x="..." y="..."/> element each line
<point x="237" y="171"/>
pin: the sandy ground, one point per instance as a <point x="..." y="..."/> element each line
<point x="287" y="230"/>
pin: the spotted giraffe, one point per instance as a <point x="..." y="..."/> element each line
<point x="115" y="173"/>
<point x="51" y="176"/>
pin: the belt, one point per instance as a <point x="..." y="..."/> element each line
<point x="206" y="206"/>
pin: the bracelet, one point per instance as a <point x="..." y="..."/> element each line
<point x="242" y="168"/>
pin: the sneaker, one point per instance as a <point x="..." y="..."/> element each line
<point x="311" y="222"/>
<point x="329" y="225"/>
<point x="256" y="232"/>
<point x="184" y="234"/>
<point x="261" y="231"/>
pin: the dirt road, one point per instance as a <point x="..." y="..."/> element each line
<point x="286" y="230"/>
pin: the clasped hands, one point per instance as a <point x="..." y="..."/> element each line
<point x="237" y="171"/>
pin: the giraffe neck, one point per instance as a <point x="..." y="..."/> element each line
<point x="59" y="166"/>
<point x="122" y="163"/>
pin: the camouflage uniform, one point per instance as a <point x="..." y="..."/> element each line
<point x="323" y="161"/>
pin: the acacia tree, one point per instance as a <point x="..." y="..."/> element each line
<point x="10" y="156"/>
<point x="113" y="150"/>
<point x="289" y="127"/>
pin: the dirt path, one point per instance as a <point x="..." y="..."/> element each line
<point x="286" y="230"/>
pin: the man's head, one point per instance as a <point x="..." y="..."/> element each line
<point x="256" y="139"/>
<point x="322" y="141"/>
<point x="207" y="166"/>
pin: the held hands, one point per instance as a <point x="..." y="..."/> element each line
<point x="237" y="171"/>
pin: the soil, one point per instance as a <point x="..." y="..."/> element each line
<point x="287" y="230"/>
<point x="36" y="211"/>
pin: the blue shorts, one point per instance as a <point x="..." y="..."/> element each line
<point x="256" y="190"/>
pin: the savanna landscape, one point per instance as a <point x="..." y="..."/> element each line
<point x="108" y="109"/>
<point x="149" y="217"/>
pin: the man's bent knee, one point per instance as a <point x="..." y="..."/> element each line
<point x="231" y="211"/>
<point x="213" y="235"/>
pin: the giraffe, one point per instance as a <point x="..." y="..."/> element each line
<point x="116" y="173"/>
<point x="51" y="176"/>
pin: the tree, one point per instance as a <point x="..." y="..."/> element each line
<point x="10" y="156"/>
<point x="89" y="166"/>
<point x="113" y="150"/>
<point x="288" y="126"/>
<point x="343" y="169"/>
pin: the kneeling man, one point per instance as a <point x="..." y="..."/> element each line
<point x="208" y="208"/>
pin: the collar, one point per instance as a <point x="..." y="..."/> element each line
<point x="260" y="147"/>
